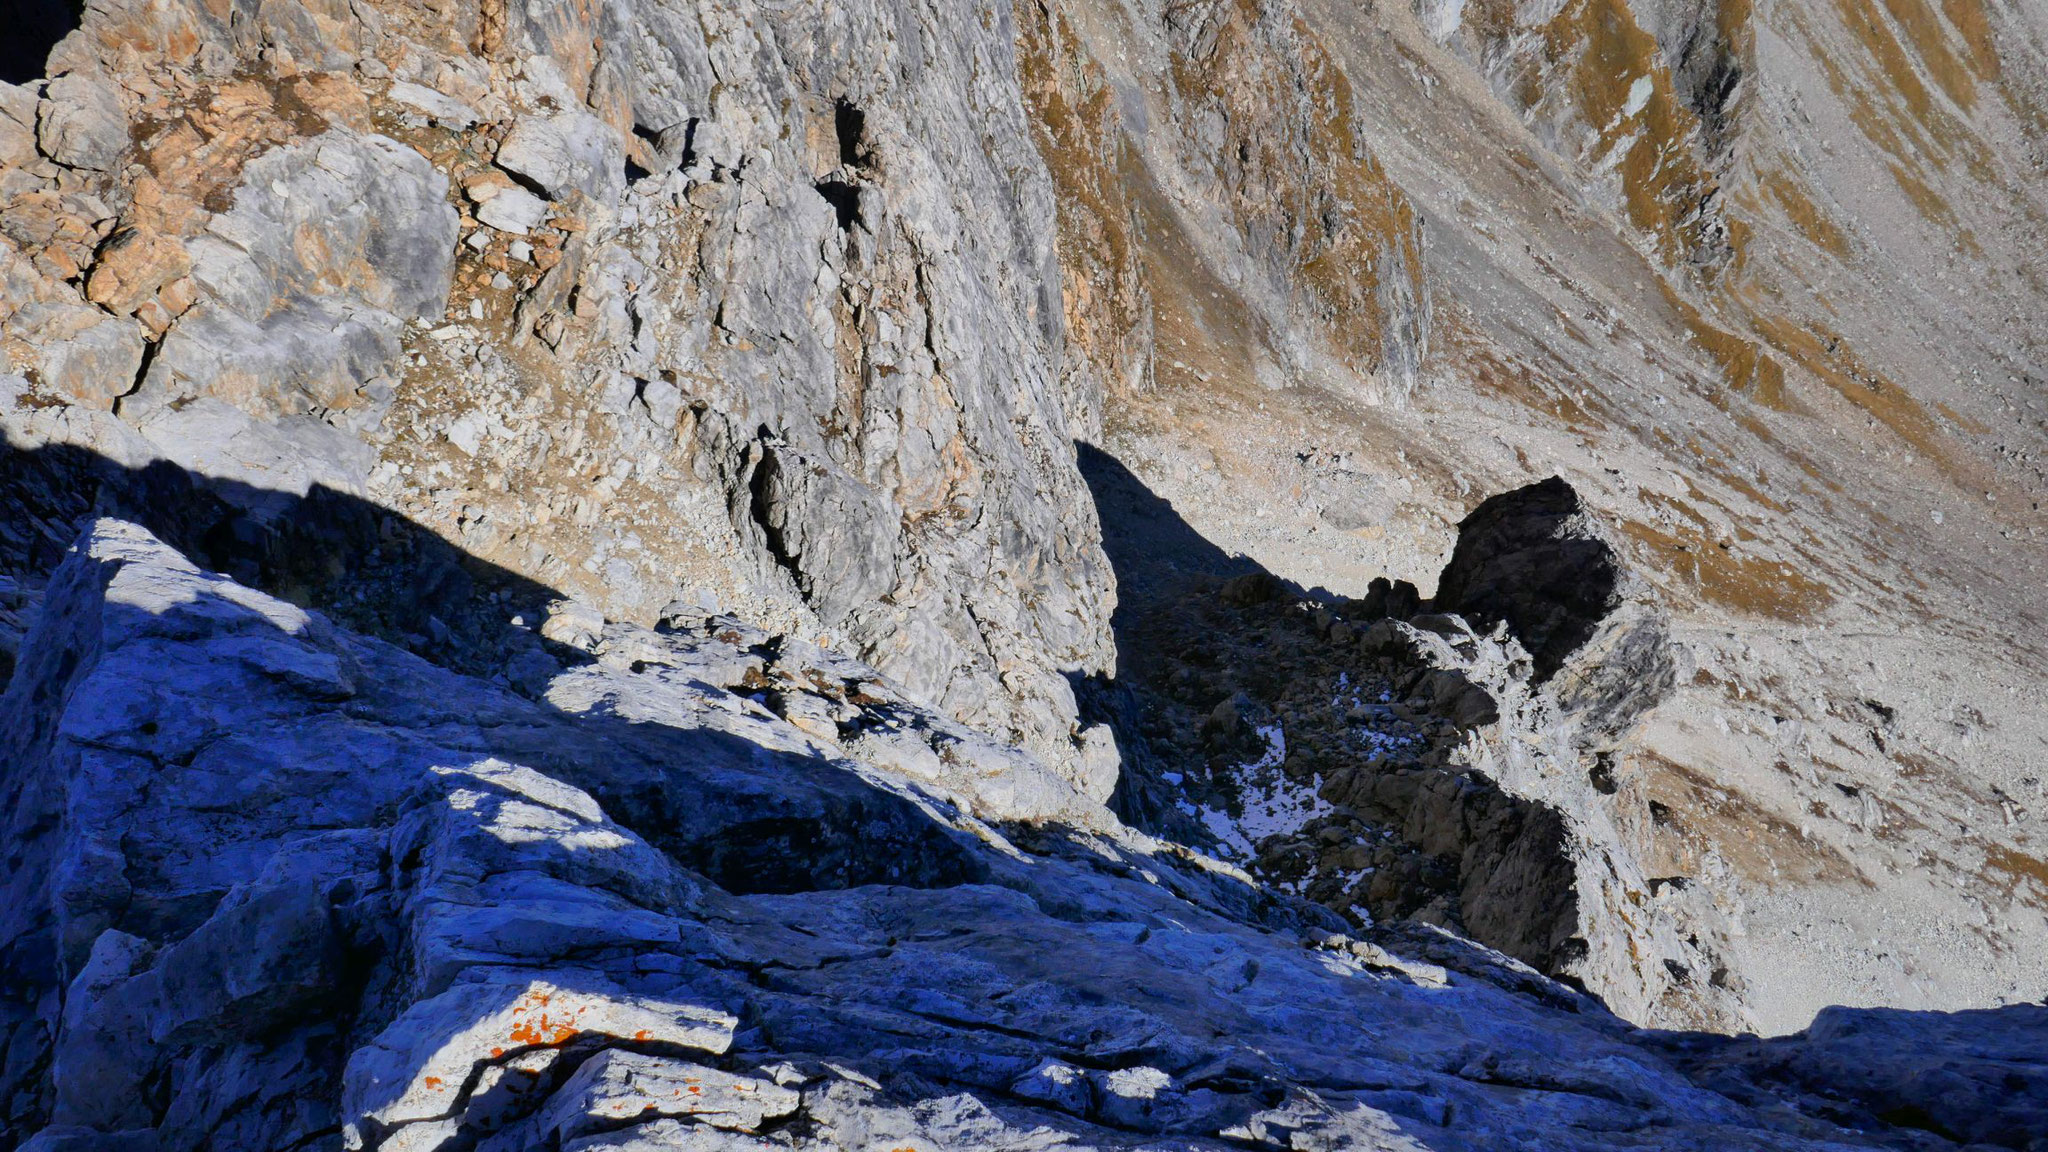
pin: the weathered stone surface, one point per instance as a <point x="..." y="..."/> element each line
<point x="415" y="936"/>
<point x="81" y="122"/>
<point x="330" y="247"/>
<point x="573" y="151"/>
<point x="513" y="210"/>
<point x="303" y="167"/>
<point x="17" y="125"/>
<point x="819" y="299"/>
<point x="419" y="1068"/>
<point x="91" y="358"/>
<point x="616" y="1085"/>
<point x="131" y="266"/>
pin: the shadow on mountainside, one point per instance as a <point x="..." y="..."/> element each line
<point x="279" y="712"/>
<point x="1241" y="699"/>
<point x="783" y="831"/>
<point x="367" y="567"/>
<point x="380" y="575"/>
<point x="1198" y="630"/>
<point x="1158" y="558"/>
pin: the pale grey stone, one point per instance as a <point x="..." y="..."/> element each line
<point x="445" y="109"/>
<point x="572" y="151"/>
<point x="17" y="126"/>
<point x="577" y="625"/>
<point x="513" y="210"/>
<point x="616" y="1085"/>
<point x="81" y="121"/>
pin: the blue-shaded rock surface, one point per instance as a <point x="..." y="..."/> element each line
<point x="272" y="884"/>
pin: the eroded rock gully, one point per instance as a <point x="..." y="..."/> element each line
<point x="1393" y="759"/>
<point x="721" y="575"/>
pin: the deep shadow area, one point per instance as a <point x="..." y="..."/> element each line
<point x="1230" y="678"/>
<point x="844" y="199"/>
<point x="1214" y="650"/>
<point x="750" y="818"/>
<point x="28" y="30"/>
<point x="1156" y="553"/>
<point x="1157" y="557"/>
<point x="788" y="823"/>
<point x="753" y="819"/>
<point x="386" y="577"/>
<point x="1977" y="1077"/>
<point x="371" y="569"/>
<point x="1525" y="559"/>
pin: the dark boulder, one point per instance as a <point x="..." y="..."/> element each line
<point x="1397" y="600"/>
<point x="1534" y="560"/>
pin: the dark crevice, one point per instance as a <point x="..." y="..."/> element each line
<point x="688" y="154"/>
<point x="149" y="350"/>
<point x="33" y="28"/>
<point x="651" y="148"/>
<point x="761" y="507"/>
<point x="844" y="199"/>
<point x="1707" y="73"/>
<point x="856" y="848"/>
<point x="850" y="125"/>
<point x="528" y="183"/>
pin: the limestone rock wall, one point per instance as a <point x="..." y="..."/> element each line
<point x="643" y="301"/>
<point x="794" y="314"/>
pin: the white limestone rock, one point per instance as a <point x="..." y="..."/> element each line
<point x="419" y="1067"/>
<point x="513" y="210"/>
<point x="572" y="151"/>
<point x="618" y="1085"/>
<point x="82" y="121"/>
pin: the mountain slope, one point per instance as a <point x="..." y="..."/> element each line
<point x="798" y="313"/>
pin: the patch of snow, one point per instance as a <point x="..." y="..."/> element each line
<point x="1267" y="801"/>
<point x="1638" y="95"/>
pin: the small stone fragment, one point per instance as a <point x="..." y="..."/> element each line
<point x="618" y="1085"/>
<point x="513" y="210"/>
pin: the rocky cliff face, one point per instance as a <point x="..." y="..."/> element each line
<point x="273" y="884"/>
<point x="709" y="499"/>
<point x="636" y="301"/>
<point x="1750" y="277"/>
